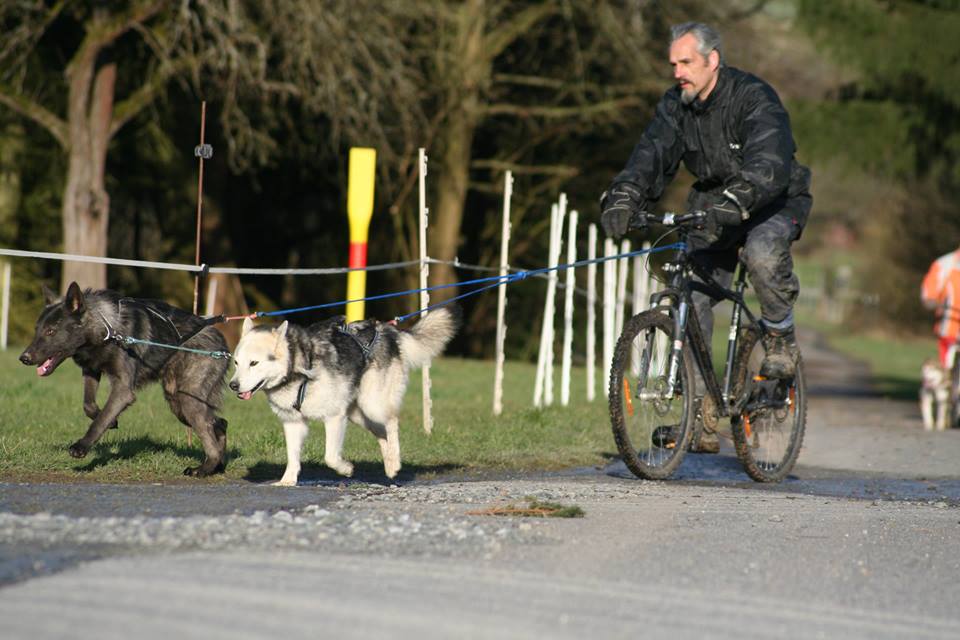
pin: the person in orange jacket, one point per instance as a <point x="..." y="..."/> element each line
<point x="940" y="291"/>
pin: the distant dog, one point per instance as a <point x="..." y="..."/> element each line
<point x="333" y="371"/>
<point x="83" y="326"/>
<point x="934" y="395"/>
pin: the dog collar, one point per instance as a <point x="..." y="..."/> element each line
<point x="301" y="394"/>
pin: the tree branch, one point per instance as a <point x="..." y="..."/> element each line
<point x="100" y="33"/>
<point x="30" y="109"/>
<point x="129" y="107"/>
<point x="515" y="27"/>
<point x="519" y="169"/>
<point x="561" y="112"/>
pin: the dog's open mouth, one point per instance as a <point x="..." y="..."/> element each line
<point x="48" y="365"/>
<point x="246" y="395"/>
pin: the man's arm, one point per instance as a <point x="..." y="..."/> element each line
<point x="931" y="290"/>
<point x="656" y="157"/>
<point x="768" y="149"/>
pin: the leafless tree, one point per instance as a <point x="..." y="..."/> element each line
<point x="250" y="58"/>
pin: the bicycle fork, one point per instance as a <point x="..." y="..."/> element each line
<point x="673" y="369"/>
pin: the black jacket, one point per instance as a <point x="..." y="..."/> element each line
<point x="740" y="133"/>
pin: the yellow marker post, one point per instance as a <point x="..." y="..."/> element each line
<point x="363" y="162"/>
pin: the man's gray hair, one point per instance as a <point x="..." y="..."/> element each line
<point x="707" y="37"/>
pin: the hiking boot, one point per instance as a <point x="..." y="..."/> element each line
<point x="707" y="443"/>
<point x="780" y="362"/>
<point x="705" y="438"/>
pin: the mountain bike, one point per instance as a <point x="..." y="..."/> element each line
<point x="654" y="408"/>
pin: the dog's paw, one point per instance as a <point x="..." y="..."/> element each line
<point x="285" y="482"/>
<point x="391" y="469"/>
<point x="78" y="450"/>
<point x="343" y="467"/>
<point x="199" y="472"/>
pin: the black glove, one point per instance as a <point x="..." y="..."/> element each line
<point x="731" y="208"/>
<point x="621" y="209"/>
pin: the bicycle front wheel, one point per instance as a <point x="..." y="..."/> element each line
<point x="651" y="421"/>
<point x="768" y="433"/>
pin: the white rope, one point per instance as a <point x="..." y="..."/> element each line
<point x="67" y="257"/>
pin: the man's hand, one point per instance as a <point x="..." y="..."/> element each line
<point x="731" y="208"/>
<point x="620" y="208"/>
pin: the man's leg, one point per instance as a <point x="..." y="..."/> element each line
<point x="770" y="268"/>
<point x="720" y="264"/>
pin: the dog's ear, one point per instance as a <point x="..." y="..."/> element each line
<point x="49" y="295"/>
<point x="281" y="333"/>
<point x="74" y="299"/>
<point x="247" y="326"/>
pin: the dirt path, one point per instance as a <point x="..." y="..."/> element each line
<point x="859" y="543"/>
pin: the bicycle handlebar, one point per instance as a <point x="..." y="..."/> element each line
<point x="692" y="219"/>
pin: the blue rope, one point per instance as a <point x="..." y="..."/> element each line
<point x="495" y="280"/>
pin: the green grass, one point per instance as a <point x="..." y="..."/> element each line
<point x="40" y="418"/>
<point x="894" y="360"/>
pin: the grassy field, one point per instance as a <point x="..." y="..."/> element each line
<point x="894" y="361"/>
<point x="40" y="418"/>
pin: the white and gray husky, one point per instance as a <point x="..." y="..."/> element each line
<point x="334" y="371"/>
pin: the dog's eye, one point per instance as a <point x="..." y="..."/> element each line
<point x="254" y="363"/>
<point x="49" y="331"/>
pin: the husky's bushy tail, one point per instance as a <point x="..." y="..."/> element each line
<point x="427" y="339"/>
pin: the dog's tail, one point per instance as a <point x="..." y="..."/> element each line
<point x="427" y="339"/>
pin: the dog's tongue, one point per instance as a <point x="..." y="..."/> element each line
<point x="245" y="395"/>
<point x="45" y="368"/>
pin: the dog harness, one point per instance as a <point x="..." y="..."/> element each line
<point x="365" y="349"/>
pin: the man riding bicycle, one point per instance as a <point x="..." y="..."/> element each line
<point x="733" y="134"/>
<point x="941" y="291"/>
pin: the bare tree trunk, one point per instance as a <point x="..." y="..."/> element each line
<point x="86" y="205"/>
<point x="12" y="139"/>
<point x="456" y="140"/>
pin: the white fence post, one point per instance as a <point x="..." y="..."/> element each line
<point x="591" y="312"/>
<point x="554" y="279"/>
<point x="502" y="294"/>
<point x="540" y="383"/>
<point x="424" y="276"/>
<point x="609" y="304"/>
<point x="571" y="283"/>
<point x="5" y="312"/>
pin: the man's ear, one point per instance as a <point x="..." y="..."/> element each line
<point x="713" y="58"/>
<point x="247" y="326"/>
<point x="73" y="301"/>
<point x="49" y="296"/>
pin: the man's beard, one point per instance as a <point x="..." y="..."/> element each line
<point x="688" y="95"/>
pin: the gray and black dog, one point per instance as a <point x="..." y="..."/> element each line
<point x="88" y="326"/>
<point x="336" y="371"/>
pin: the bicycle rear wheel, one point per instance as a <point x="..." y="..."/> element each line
<point x="651" y="425"/>
<point x="768" y="433"/>
<point x="954" y="408"/>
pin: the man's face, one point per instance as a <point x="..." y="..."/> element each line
<point x="695" y="73"/>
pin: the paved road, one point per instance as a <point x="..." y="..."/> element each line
<point x="862" y="543"/>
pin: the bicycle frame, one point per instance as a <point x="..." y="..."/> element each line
<point x="687" y="325"/>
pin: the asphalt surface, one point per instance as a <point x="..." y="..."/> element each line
<point x="860" y="542"/>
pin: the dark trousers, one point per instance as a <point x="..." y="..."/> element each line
<point x="766" y="254"/>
